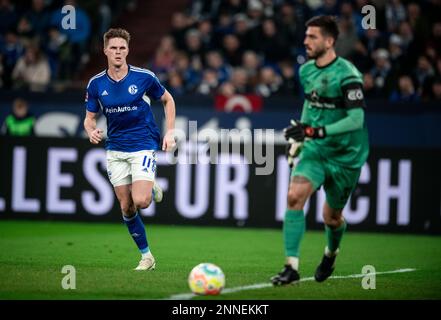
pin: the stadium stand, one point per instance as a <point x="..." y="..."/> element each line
<point x="206" y="47"/>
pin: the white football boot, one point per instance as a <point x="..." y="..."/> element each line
<point x="157" y="192"/>
<point x="147" y="262"/>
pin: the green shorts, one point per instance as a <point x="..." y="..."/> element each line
<point x="338" y="181"/>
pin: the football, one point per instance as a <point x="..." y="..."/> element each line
<point x="206" y="279"/>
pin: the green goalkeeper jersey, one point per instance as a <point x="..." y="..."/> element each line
<point x="330" y="92"/>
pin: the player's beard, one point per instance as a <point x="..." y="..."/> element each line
<point x="319" y="52"/>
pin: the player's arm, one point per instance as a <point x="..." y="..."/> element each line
<point x="354" y="104"/>
<point x="170" y="114"/>
<point x="95" y="134"/>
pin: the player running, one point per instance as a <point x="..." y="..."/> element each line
<point x="123" y="93"/>
<point x="334" y="141"/>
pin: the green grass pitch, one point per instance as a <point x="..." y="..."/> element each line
<point x="32" y="255"/>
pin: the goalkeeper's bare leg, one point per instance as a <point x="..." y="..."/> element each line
<point x="300" y="190"/>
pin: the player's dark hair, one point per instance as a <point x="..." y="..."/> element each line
<point x="327" y="24"/>
<point x="116" y="33"/>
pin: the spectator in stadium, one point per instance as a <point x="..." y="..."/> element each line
<point x="418" y="23"/>
<point x="328" y="7"/>
<point x="232" y="50"/>
<point x="271" y="43"/>
<point x="369" y="89"/>
<point x="247" y="36"/>
<point x="269" y="82"/>
<point x="79" y="36"/>
<point x="12" y="49"/>
<point x="239" y="79"/>
<point x="180" y="23"/>
<point x="164" y="58"/>
<point x="24" y="28"/>
<point x="251" y="62"/>
<point x="347" y="12"/>
<point x="32" y="70"/>
<point x="58" y="51"/>
<point x="8" y="16"/>
<point x="255" y="12"/>
<point x="190" y="75"/>
<point x="20" y="122"/>
<point x="232" y="7"/>
<point x="38" y="17"/>
<point x="227" y="89"/>
<point x="406" y="91"/>
<point x="209" y="83"/>
<point x="373" y="39"/>
<point x="360" y="57"/>
<point x="381" y="72"/>
<point x="175" y="84"/>
<point x="215" y="61"/>
<point x="395" y="14"/>
<point x="289" y="25"/>
<point x="289" y="85"/>
<point x="223" y="27"/>
<point x="435" y="38"/>
<point x="194" y="46"/>
<point x="436" y="90"/>
<point x="205" y="29"/>
<point x="423" y="73"/>
<point x="410" y="44"/>
<point x="347" y="39"/>
<point x="396" y="51"/>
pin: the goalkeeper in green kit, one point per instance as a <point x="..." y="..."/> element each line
<point x="331" y="142"/>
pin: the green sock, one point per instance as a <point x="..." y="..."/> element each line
<point x="293" y="230"/>
<point x="334" y="236"/>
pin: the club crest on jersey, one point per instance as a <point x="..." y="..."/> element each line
<point x="133" y="89"/>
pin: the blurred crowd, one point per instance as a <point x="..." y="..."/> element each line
<point x="36" y="51"/>
<point x="231" y="46"/>
<point x="256" y="46"/>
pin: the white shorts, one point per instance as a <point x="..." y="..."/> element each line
<point x="125" y="167"/>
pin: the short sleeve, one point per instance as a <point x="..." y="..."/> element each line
<point x="91" y="100"/>
<point x="156" y="89"/>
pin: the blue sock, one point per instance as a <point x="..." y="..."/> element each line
<point x="137" y="231"/>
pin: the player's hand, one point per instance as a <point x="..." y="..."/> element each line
<point x="169" y="142"/>
<point x="293" y="149"/>
<point x="96" y="136"/>
<point x="299" y="131"/>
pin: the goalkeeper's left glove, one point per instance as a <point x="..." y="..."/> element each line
<point x="299" y="131"/>
<point x="293" y="149"/>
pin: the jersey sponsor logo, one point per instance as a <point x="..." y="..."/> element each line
<point x="121" y="109"/>
<point x="104" y="93"/>
<point x="324" y="105"/>
<point x="355" y="94"/>
<point x="314" y="96"/>
<point x="133" y="89"/>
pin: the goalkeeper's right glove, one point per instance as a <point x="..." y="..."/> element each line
<point x="293" y="149"/>
<point x="299" y="131"/>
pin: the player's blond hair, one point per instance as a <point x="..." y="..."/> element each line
<point x="116" y="33"/>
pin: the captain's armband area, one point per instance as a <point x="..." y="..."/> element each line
<point x="353" y="95"/>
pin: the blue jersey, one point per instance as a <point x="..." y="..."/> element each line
<point x="126" y="104"/>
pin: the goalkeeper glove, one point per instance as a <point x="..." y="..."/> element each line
<point x="299" y="131"/>
<point x="293" y="149"/>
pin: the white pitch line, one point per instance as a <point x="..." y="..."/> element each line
<point x="187" y="296"/>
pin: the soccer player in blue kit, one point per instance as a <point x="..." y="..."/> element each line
<point x="123" y="93"/>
